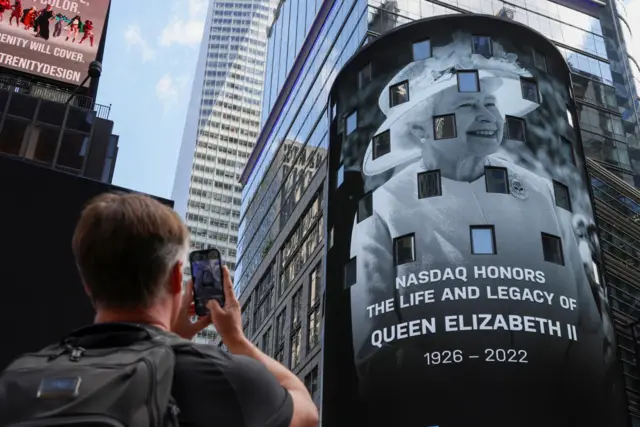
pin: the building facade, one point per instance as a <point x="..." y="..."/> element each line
<point x="33" y="126"/>
<point x="590" y="35"/>
<point x="223" y="122"/>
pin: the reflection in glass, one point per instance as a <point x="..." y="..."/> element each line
<point x="567" y="150"/>
<point x="515" y="129"/>
<point x="429" y="184"/>
<point x="405" y="251"/>
<point x="365" y="207"/>
<point x="444" y="126"/>
<point x="340" y="177"/>
<point x="482" y="240"/>
<point x="468" y="81"/>
<point x="539" y="60"/>
<point x="350" y="276"/>
<point x="398" y="94"/>
<point x="381" y="144"/>
<point x="561" y="193"/>
<point x="496" y="180"/>
<point x="364" y="76"/>
<point x="422" y="50"/>
<point x="552" y="249"/>
<point x="352" y="122"/>
<point x="482" y="46"/>
<point x="529" y="90"/>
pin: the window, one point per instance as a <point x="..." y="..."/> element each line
<point x="296" y="341"/>
<point x="570" y="118"/>
<point x="296" y="308"/>
<point x="552" y="249"/>
<point x="350" y="273"/>
<point x="364" y="76"/>
<point x="266" y="342"/>
<point x="399" y="94"/>
<point x="315" y="281"/>
<point x="483" y="240"/>
<point x="444" y="127"/>
<point x="539" y="60"/>
<point x="422" y="50"/>
<point x="365" y="207"/>
<point x="482" y="46"/>
<point x="529" y="90"/>
<point x="314" y="327"/>
<point x="340" y="176"/>
<point x="497" y="180"/>
<point x="567" y="150"/>
<point x="468" y="81"/>
<point x="280" y="324"/>
<point x="352" y="122"/>
<point x="404" y="249"/>
<point x="311" y="382"/>
<point x="429" y="184"/>
<point x="561" y="193"/>
<point x="381" y="144"/>
<point x="515" y="128"/>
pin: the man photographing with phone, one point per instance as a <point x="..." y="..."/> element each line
<point x="136" y="366"/>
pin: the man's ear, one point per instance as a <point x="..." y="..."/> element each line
<point x="175" y="279"/>
<point x="418" y="130"/>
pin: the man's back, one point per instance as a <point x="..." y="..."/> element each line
<point x="211" y="387"/>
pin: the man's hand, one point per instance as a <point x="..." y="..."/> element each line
<point x="227" y="320"/>
<point x="183" y="325"/>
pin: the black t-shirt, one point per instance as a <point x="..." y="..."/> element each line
<point x="211" y="387"/>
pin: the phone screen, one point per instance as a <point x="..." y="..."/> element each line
<point x="206" y="271"/>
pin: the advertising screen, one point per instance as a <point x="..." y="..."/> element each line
<point x="56" y="39"/>
<point x="471" y="257"/>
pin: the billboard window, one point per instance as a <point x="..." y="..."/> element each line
<point x="444" y="127"/>
<point x="567" y="150"/>
<point x="482" y="46"/>
<point x="399" y="94"/>
<point x="497" y="180"/>
<point x="570" y="118"/>
<point x="340" y="177"/>
<point x="539" y="60"/>
<point x="422" y="50"/>
<point x="561" y="193"/>
<point x="483" y="241"/>
<point x="365" y="207"/>
<point x="350" y="276"/>
<point x="515" y="129"/>
<point x="552" y="249"/>
<point x="11" y="135"/>
<point x="364" y="76"/>
<point x="352" y="122"/>
<point x="404" y="249"/>
<point x="529" y="90"/>
<point x="468" y="81"/>
<point x="429" y="184"/>
<point x="381" y="144"/>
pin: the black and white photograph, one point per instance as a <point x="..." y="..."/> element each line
<point x="473" y="252"/>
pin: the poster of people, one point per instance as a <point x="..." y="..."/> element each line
<point x="56" y="39"/>
<point x="473" y="269"/>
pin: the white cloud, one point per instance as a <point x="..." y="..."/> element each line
<point x="188" y="27"/>
<point x="134" y="39"/>
<point x="169" y="88"/>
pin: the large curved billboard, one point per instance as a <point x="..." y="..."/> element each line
<point x="463" y="235"/>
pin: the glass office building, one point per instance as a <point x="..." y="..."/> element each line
<point x="223" y="122"/>
<point x="280" y="250"/>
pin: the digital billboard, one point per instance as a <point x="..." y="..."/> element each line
<point x="56" y="39"/>
<point x="463" y="235"/>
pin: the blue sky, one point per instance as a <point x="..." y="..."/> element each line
<point x="151" y="54"/>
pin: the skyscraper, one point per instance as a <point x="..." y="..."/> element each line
<point x="593" y="37"/>
<point x="223" y="122"/>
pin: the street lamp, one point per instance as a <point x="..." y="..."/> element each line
<point x="94" y="72"/>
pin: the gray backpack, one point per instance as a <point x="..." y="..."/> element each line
<point x="78" y="383"/>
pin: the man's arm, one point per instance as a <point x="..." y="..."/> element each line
<point x="228" y="323"/>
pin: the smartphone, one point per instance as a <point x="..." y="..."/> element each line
<point x="206" y="271"/>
